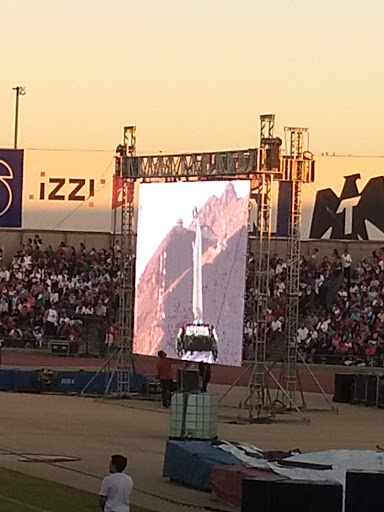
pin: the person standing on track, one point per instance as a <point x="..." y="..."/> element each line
<point x="164" y="374"/>
<point x="116" y="488"/>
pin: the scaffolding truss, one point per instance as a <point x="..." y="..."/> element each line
<point x="299" y="164"/>
<point x="258" y="402"/>
<point x="261" y="166"/>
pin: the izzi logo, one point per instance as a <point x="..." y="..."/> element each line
<point x="355" y="215"/>
<point x="11" y="187"/>
<point x="66" y="189"/>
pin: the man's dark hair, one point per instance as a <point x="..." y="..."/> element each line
<point x="160" y="353"/>
<point x="120" y="462"/>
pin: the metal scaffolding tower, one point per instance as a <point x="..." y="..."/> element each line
<point x="124" y="364"/>
<point x="298" y="168"/>
<point x="262" y="166"/>
<point x="120" y="365"/>
<point x="258" y="402"/>
<point x="124" y="172"/>
<point x="128" y="148"/>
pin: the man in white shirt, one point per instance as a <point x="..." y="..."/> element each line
<point x="51" y="320"/>
<point x="346" y="260"/>
<point x="302" y="335"/>
<point x="116" y="488"/>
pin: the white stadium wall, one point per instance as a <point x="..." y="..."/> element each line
<point x="67" y="190"/>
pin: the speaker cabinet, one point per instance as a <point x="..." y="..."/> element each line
<point x="256" y="495"/>
<point x="364" y="491"/>
<point x="360" y="389"/>
<point x="343" y="388"/>
<point x="188" y="381"/>
<point x="372" y="383"/>
<point x="295" y="495"/>
<point x="380" y="392"/>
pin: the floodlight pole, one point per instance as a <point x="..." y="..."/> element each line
<point x="19" y="91"/>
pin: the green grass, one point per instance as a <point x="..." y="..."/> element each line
<point x="23" y="493"/>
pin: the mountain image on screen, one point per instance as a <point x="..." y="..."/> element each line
<point x="164" y="293"/>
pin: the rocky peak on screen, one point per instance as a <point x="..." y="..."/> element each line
<point x="164" y="291"/>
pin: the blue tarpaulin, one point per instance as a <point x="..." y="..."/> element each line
<point x="190" y="462"/>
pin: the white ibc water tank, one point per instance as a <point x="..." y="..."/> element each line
<point x="194" y="416"/>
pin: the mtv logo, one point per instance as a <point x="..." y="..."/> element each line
<point x="11" y="188"/>
<point x="281" y="208"/>
<point x="353" y="215"/>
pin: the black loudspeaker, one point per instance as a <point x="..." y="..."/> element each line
<point x="295" y="495"/>
<point x="307" y="496"/>
<point x="364" y="491"/>
<point x="380" y="392"/>
<point x="188" y="380"/>
<point x="343" y="388"/>
<point x="359" y="389"/>
<point x="372" y="390"/>
<point x="256" y="495"/>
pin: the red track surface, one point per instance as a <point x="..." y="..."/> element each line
<point x="220" y="374"/>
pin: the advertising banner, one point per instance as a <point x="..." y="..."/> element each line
<point x="76" y="191"/>
<point x="11" y="188"/>
<point x="346" y="202"/>
<point x="68" y="190"/>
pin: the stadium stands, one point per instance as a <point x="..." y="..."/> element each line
<point x="341" y="308"/>
<point x="48" y="293"/>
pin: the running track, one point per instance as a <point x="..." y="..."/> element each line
<point x="226" y="375"/>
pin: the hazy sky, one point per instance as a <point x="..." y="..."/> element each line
<point x="192" y="75"/>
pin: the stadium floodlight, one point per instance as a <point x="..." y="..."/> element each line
<point x="20" y="91"/>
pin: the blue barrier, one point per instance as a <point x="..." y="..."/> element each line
<point x="66" y="382"/>
<point x="19" y="380"/>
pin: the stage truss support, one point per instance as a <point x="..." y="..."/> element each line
<point x="258" y="401"/>
<point x="262" y="166"/>
<point x="298" y="169"/>
<point x="128" y="148"/>
<point x="124" y="365"/>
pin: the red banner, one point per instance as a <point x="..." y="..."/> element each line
<point x="117" y="191"/>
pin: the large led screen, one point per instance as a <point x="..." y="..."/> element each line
<point x="190" y="270"/>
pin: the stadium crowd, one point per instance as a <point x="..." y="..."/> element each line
<point x="45" y="294"/>
<point x="341" y="308"/>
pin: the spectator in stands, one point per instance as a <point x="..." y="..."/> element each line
<point x="51" y="318"/>
<point x="346" y="260"/>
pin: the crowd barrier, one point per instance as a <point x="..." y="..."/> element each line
<point x="344" y="360"/>
<point x="65" y="382"/>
